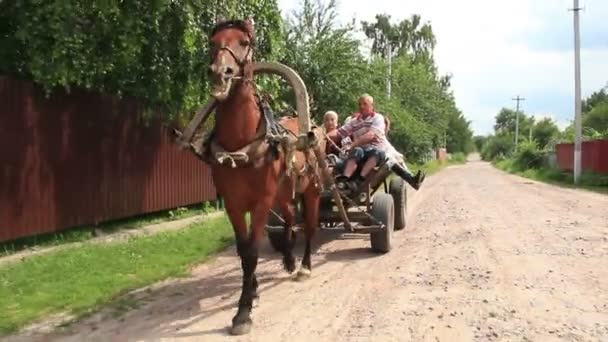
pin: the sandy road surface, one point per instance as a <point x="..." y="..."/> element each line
<point x="486" y="256"/>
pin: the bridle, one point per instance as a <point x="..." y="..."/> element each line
<point x="240" y="61"/>
<point x="243" y="61"/>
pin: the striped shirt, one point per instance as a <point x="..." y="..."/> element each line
<point x="360" y="125"/>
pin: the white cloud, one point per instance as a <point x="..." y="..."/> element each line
<point x="498" y="49"/>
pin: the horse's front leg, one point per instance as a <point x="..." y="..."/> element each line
<point x="247" y="249"/>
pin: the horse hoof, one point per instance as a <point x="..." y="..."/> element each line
<point x="241" y="328"/>
<point x="256" y="302"/>
<point x="289" y="264"/>
<point x="303" y="274"/>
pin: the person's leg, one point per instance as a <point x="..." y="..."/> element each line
<point x="406" y="175"/>
<point x="353" y="160"/>
<point x="373" y="157"/>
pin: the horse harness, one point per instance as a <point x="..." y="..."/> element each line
<point x="264" y="147"/>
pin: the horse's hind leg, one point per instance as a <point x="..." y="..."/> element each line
<point x="286" y="207"/>
<point x="311" y="221"/>
<point x="289" y="236"/>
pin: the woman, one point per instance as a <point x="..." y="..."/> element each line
<point x="396" y="161"/>
<point x="330" y="123"/>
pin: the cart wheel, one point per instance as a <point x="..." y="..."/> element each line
<point x="276" y="241"/>
<point x="397" y="189"/>
<point x="383" y="210"/>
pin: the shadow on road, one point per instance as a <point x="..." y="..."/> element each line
<point x="177" y="305"/>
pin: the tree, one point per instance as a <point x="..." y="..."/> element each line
<point x="497" y="146"/>
<point x="327" y="58"/>
<point x="597" y="118"/>
<point x="479" y="141"/>
<point x="544" y="131"/>
<point x="459" y="134"/>
<point x="506" y="122"/>
<point x="594" y="99"/>
<point x="408" y="37"/>
<point x="153" y="50"/>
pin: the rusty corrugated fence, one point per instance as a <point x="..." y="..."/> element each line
<point x="82" y="158"/>
<point x="594" y="155"/>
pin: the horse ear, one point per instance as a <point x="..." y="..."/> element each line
<point x="250" y="24"/>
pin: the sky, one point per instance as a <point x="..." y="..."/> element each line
<point x="498" y="49"/>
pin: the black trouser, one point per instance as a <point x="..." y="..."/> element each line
<point x="412" y="180"/>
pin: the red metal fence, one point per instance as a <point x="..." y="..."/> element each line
<point x="81" y="158"/>
<point x="594" y="156"/>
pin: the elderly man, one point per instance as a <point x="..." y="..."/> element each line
<point x="369" y="142"/>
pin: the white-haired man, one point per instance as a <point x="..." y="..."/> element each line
<point x="369" y="142"/>
<point x="370" y="146"/>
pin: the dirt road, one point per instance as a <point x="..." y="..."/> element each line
<point x="486" y="256"/>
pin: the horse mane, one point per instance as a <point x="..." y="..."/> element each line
<point x="238" y="24"/>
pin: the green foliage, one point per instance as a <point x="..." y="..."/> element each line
<point x="157" y="51"/>
<point x="79" y="234"/>
<point x="544" y="131"/>
<point x="497" y="147"/>
<point x="407" y="37"/>
<point x="422" y="111"/>
<point x="81" y="278"/>
<point x="460" y="137"/>
<point x="597" y="98"/>
<point x="327" y="58"/>
<point x="528" y="156"/>
<point x="506" y="123"/>
<point x="459" y="158"/>
<point x="597" y="117"/>
<point x="153" y="50"/>
<point x="589" y="180"/>
<point x="479" y="142"/>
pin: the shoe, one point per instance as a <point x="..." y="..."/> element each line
<point x="341" y="182"/>
<point x="419" y="179"/>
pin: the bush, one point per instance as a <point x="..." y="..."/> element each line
<point x="497" y="147"/>
<point x="458" y="157"/>
<point x="529" y="156"/>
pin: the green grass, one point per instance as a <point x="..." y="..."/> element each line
<point x="589" y="181"/>
<point x="80" y="234"/>
<point x="79" y="279"/>
<point x="435" y="166"/>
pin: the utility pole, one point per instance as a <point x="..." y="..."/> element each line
<point x="518" y="98"/>
<point x="577" y="95"/>
<point x="389" y="58"/>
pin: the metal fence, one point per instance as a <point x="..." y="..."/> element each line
<point x="594" y="156"/>
<point x="82" y="158"/>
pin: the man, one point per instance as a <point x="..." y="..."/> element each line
<point x="369" y="143"/>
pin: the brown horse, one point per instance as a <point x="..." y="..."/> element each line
<point x="254" y="180"/>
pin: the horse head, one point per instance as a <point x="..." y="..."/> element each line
<point x="231" y="51"/>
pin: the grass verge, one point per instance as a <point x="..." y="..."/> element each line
<point x="435" y="166"/>
<point x="85" y="233"/>
<point x="80" y="279"/>
<point x="588" y="181"/>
